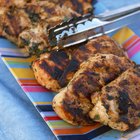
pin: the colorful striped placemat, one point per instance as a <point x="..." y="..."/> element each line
<point x="19" y="65"/>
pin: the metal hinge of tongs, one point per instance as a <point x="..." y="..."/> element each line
<point x="84" y="28"/>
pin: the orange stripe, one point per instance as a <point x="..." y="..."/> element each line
<point x="81" y="130"/>
<point x="26" y="81"/>
<point x="130" y="41"/>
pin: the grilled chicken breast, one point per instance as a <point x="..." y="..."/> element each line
<point x="103" y="44"/>
<point x="119" y="102"/>
<point x="49" y="67"/>
<point x="33" y="18"/>
<point x="80" y="6"/>
<point x="73" y="103"/>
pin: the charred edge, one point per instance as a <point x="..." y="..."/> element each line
<point x="73" y="107"/>
<point x="126" y="121"/>
<point x="53" y="71"/>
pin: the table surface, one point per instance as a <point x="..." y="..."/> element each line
<point x="19" y="120"/>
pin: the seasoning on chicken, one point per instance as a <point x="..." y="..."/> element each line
<point x="79" y="54"/>
<point x="103" y="44"/>
<point x="80" y="6"/>
<point x="50" y="66"/>
<point x="33" y="18"/>
<point x="119" y="102"/>
<point x="73" y="103"/>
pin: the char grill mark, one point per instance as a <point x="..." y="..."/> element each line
<point x="53" y="71"/>
<point x="74" y="108"/>
<point x="119" y="101"/>
<point x="104" y="45"/>
<point x="86" y="81"/>
<point x="60" y="59"/>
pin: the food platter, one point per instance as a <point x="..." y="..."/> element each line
<point x="19" y="66"/>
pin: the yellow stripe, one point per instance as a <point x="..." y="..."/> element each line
<point x="122" y="35"/>
<point x="42" y="103"/>
<point x="19" y="59"/>
<point x="22" y="73"/>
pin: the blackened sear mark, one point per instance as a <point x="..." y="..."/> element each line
<point x="86" y="85"/>
<point x="78" y="6"/>
<point x="89" y="73"/>
<point x="123" y="101"/>
<point x="7" y="30"/>
<point x="53" y="71"/>
<point x="105" y="105"/>
<point x="124" y="82"/>
<point x="34" y="17"/>
<point x="60" y="58"/>
<point x="71" y="68"/>
<point x="73" y="107"/>
<point x="110" y="97"/>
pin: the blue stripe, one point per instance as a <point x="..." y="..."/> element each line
<point x="4" y="43"/>
<point x="41" y="97"/>
<point x="136" y="58"/>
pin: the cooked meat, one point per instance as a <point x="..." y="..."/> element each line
<point x="119" y="102"/>
<point x="8" y="3"/>
<point x="13" y="22"/>
<point x="49" y="67"/>
<point x="80" y="6"/>
<point x="81" y="54"/>
<point x="73" y="103"/>
<point x="103" y="44"/>
<point x="19" y="21"/>
<point x="35" y="38"/>
<point x="33" y="18"/>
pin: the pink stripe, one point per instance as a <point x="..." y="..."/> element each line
<point x="133" y="43"/>
<point x="134" y="50"/>
<point x="35" y="89"/>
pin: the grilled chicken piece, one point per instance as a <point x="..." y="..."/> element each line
<point x="35" y="38"/>
<point x="81" y="54"/>
<point x="13" y="22"/>
<point x="80" y="6"/>
<point x="73" y="103"/>
<point x="49" y="67"/>
<point x="103" y="44"/>
<point x="28" y="25"/>
<point x="8" y="3"/>
<point x="119" y="102"/>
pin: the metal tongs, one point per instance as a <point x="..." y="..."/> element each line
<point x="81" y="29"/>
